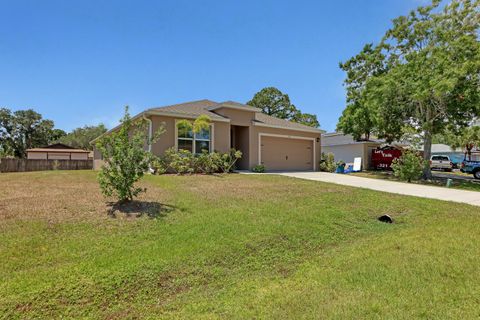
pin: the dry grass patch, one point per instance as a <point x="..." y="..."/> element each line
<point x="60" y="196"/>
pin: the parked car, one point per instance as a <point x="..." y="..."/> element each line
<point x="441" y="163"/>
<point x="472" y="165"/>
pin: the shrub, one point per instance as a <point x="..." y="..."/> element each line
<point x="184" y="162"/>
<point x="180" y="161"/>
<point x="125" y="158"/>
<point x="409" y="166"/>
<point x="229" y="159"/>
<point x="207" y="163"/>
<point x="259" y="168"/>
<point x="327" y="162"/>
<point x="158" y="165"/>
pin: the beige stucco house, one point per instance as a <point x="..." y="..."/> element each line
<point x="276" y="143"/>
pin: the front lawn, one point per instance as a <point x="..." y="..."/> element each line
<point x="438" y="181"/>
<point x="232" y="247"/>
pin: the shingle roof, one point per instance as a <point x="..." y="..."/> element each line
<point x="206" y="107"/>
<point x="194" y="108"/>
<point x="273" y="121"/>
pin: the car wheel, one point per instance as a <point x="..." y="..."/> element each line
<point x="476" y="174"/>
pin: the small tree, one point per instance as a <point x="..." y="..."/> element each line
<point x="126" y="159"/>
<point x="409" y="166"/>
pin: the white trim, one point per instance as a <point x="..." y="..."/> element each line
<point x="182" y="115"/>
<point x="260" y="135"/>
<point x="313" y="130"/>
<point x="211" y="141"/>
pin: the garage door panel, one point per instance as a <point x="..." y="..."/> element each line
<point x="278" y="153"/>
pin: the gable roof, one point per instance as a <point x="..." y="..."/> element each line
<point x="189" y="109"/>
<point x="207" y="107"/>
<point x="193" y="109"/>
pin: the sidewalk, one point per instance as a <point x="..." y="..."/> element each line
<point x="417" y="190"/>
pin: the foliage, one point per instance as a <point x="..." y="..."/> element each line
<point x="424" y="75"/>
<point x="259" y="168"/>
<point x="408" y="166"/>
<point x="81" y="137"/>
<point x="465" y="139"/>
<point x="181" y="161"/>
<point x="359" y="118"/>
<point x="228" y="160"/>
<point x="327" y="162"/>
<point x="277" y="104"/>
<point x="25" y="129"/>
<point x="125" y="158"/>
<point x="184" y="162"/>
<point x="307" y="119"/>
<point x="158" y="165"/>
<point x="202" y="122"/>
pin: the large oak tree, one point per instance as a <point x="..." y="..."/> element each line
<point x="423" y="76"/>
<point x="277" y="104"/>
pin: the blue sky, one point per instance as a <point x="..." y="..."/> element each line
<point x="80" y="62"/>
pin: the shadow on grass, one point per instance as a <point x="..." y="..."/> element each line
<point x="137" y="209"/>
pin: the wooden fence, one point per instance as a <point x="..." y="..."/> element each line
<point x="22" y="165"/>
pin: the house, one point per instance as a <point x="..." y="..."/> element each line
<point x="346" y="148"/>
<point x="276" y="143"/>
<point x="57" y="151"/>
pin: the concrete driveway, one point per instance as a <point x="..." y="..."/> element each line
<point x="455" y="195"/>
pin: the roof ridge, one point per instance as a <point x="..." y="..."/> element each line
<point x="179" y="104"/>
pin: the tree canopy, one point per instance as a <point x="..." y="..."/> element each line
<point x="81" y="137"/>
<point x="277" y="104"/>
<point x="422" y="77"/>
<point x="25" y="129"/>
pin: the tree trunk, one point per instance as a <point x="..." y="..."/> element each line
<point x="427" y="152"/>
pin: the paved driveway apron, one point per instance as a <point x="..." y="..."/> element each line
<point x="455" y="195"/>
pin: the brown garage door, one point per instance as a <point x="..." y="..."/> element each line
<point x="286" y="154"/>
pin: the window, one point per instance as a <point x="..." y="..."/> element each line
<point x="194" y="143"/>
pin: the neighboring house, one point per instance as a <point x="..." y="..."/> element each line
<point x="345" y="148"/>
<point x="276" y="143"/>
<point x="456" y="156"/>
<point x="57" y="151"/>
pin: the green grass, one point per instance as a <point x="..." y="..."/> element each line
<point x="472" y="185"/>
<point x="233" y="247"/>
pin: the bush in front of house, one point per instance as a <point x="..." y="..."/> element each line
<point x="185" y="162"/>
<point x="125" y="157"/>
<point x="259" y="168"/>
<point x="409" y="166"/>
<point x="327" y="162"/>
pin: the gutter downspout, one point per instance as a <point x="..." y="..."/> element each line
<point x="150" y="132"/>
